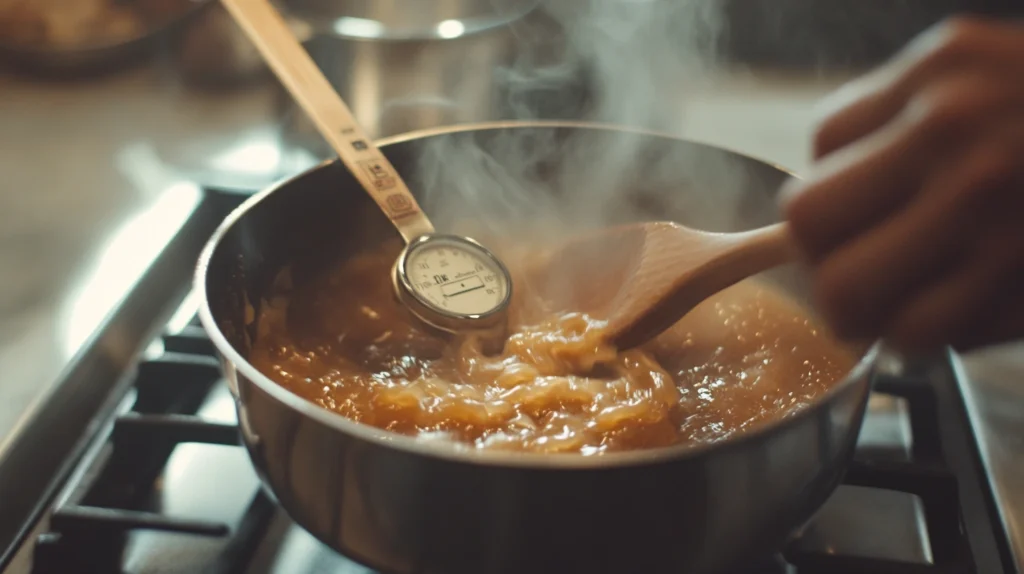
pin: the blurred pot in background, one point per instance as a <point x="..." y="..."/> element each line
<point x="502" y="60"/>
<point x="406" y="65"/>
<point x="408" y="19"/>
<point x="393" y="86"/>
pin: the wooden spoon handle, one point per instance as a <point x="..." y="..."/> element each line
<point x="747" y="254"/>
<point x="761" y="249"/>
<point x="743" y="255"/>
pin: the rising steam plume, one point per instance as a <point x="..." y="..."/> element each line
<point x="640" y="59"/>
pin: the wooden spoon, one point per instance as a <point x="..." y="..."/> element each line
<point x="642" y="278"/>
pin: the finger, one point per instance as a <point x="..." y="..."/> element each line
<point x="863" y="282"/>
<point x="1002" y="315"/>
<point x="858" y="186"/>
<point x="1010" y="326"/>
<point x="1003" y="323"/>
<point x="928" y="322"/>
<point x="855" y="110"/>
<point x="968" y="308"/>
<point x="948" y="313"/>
<point x="865" y="105"/>
<point x="850" y="191"/>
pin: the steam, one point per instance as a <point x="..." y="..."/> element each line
<point x="624" y="62"/>
<point x="641" y="53"/>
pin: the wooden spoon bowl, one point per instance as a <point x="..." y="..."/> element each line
<point x="642" y="278"/>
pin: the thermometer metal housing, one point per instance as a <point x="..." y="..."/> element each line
<point x="454" y="284"/>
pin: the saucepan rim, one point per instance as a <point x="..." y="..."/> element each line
<point x="453" y="451"/>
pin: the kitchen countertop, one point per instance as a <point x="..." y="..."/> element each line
<point x="80" y="162"/>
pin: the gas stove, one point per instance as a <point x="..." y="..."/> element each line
<point x="155" y="479"/>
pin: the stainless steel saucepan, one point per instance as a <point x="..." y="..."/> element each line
<point x="404" y="506"/>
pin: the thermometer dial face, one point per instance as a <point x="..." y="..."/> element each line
<point x="456" y="277"/>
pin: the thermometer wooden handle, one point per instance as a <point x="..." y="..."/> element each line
<point x="332" y="118"/>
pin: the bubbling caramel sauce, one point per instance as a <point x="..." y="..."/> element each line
<point x="744" y="357"/>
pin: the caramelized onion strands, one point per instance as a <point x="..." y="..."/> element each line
<point x="744" y="357"/>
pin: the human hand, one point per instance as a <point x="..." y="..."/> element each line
<point x="912" y="216"/>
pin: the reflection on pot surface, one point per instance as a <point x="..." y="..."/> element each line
<point x="409" y="19"/>
<point x="396" y="87"/>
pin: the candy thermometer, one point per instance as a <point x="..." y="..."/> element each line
<point x="448" y="281"/>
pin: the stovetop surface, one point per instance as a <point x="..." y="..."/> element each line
<point x="163" y="486"/>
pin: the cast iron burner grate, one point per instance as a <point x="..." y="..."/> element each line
<point x="106" y="498"/>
